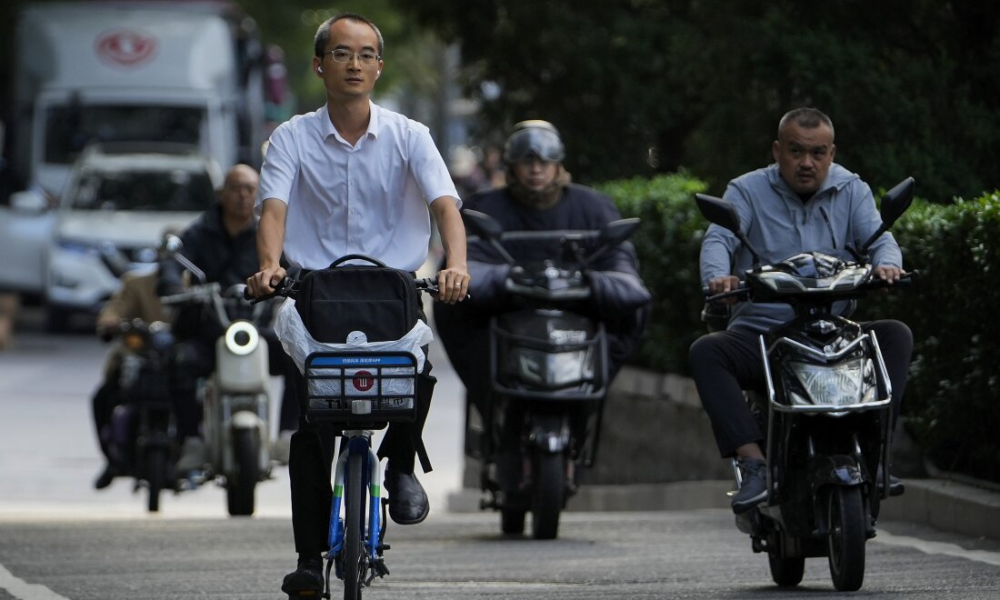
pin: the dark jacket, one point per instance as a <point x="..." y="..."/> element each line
<point x="619" y="296"/>
<point x="224" y="258"/>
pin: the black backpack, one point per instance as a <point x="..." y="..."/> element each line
<point x="375" y="299"/>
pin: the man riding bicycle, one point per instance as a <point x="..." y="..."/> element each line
<point x="353" y="178"/>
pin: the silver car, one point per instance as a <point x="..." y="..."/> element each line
<point x="119" y="200"/>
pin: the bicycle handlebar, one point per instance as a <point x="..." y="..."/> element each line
<point x="289" y="288"/>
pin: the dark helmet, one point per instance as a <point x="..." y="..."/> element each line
<point x="534" y="138"/>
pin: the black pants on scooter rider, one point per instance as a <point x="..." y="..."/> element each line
<point x="725" y="363"/>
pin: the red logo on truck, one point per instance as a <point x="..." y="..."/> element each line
<point x="125" y="48"/>
<point x="363" y="381"/>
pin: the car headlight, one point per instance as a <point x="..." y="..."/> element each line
<point x="842" y="384"/>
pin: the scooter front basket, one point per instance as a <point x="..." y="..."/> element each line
<point x="548" y="355"/>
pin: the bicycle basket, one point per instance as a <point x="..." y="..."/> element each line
<point x="355" y="388"/>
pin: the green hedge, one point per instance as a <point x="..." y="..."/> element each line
<point x="668" y="244"/>
<point x="952" y="403"/>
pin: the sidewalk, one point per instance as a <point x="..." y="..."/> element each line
<point x="946" y="505"/>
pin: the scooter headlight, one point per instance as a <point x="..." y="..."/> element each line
<point x="561" y="368"/>
<point x="242" y="338"/>
<point x="842" y="384"/>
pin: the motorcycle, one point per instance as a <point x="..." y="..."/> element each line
<point x="826" y="415"/>
<point x="549" y="377"/>
<point x="236" y="397"/>
<point x="141" y="436"/>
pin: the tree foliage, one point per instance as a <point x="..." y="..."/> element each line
<point x="645" y="86"/>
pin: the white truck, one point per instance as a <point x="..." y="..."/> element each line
<point x="103" y="71"/>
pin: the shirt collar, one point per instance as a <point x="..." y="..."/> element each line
<point x="374" y="122"/>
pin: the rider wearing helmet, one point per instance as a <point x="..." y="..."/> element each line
<point x="539" y="196"/>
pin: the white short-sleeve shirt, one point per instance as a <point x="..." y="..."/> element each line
<point x="371" y="198"/>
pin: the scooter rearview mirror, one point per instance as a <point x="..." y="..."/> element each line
<point x="722" y="212"/>
<point x="482" y="224"/>
<point x="618" y="231"/>
<point x="172" y="243"/>
<point x="894" y="204"/>
<point x="719" y="211"/>
<point x="487" y="228"/>
<point x="896" y="201"/>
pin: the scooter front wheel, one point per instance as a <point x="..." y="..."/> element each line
<point x="549" y="494"/>
<point x="241" y="488"/>
<point x="156" y="474"/>
<point x="786" y="572"/>
<point x="512" y="520"/>
<point x="846" y="538"/>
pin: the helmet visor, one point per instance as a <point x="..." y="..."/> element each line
<point x="533" y="142"/>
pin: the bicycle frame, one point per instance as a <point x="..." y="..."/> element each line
<point x="358" y="441"/>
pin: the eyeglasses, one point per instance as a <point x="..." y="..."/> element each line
<point x="366" y="57"/>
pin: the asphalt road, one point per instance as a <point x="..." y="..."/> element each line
<point x="60" y="539"/>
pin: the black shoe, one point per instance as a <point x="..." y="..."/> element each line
<point x="896" y="487"/>
<point x="408" y="503"/>
<point x="307" y="577"/>
<point x="105" y="478"/>
<point x="753" y="491"/>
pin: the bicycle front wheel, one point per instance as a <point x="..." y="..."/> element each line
<point x="354" y="525"/>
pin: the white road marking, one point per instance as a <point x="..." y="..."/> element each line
<point x="22" y="590"/>
<point x="927" y="547"/>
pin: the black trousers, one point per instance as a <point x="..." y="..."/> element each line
<point x="310" y="463"/>
<point x="725" y="363"/>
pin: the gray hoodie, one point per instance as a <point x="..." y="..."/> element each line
<point x="779" y="225"/>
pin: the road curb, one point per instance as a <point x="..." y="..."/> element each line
<point x="946" y="505"/>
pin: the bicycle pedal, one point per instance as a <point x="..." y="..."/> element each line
<point x="379" y="568"/>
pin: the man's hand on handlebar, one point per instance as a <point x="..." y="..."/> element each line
<point x="453" y="285"/>
<point x="888" y="273"/>
<point x="721" y="285"/>
<point x="264" y="282"/>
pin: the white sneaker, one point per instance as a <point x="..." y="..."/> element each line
<point x="281" y="446"/>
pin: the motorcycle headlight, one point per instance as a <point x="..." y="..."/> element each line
<point x="842" y="384"/>
<point x="542" y="368"/>
<point x="242" y="338"/>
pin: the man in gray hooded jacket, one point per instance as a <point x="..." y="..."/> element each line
<point x="803" y="202"/>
